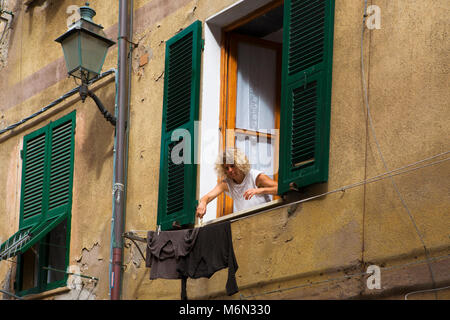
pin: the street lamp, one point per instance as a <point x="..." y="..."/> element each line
<point x="85" y="46"/>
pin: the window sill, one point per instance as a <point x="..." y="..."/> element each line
<point x="246" y="213"/>
<point x="46" y="294"/>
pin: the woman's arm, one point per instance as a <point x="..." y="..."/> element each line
<point x="265" y="186"/>
<point x="210" y="196"/>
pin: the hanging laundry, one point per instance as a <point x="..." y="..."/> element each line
<point x="165" y="249"/>
<point x="212" y="251"/>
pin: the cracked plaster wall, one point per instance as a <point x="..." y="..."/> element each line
<point x="332" y="236"/>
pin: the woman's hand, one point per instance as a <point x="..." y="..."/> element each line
<point x="201" y="209"/>
<point x="250" y="193"/>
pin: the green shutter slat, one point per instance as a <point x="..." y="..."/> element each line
<point x="38" y="154"/>
<point x="177" y="120"/>
<point x="304" y="10"/>
<point x="179" y="69"/>
<point x="56" y="203"/>
<point x="62" y="130"/>
<point x="307" y="136"/>
<point x="33" y="206"/>
<point x="302" y="153"/>
<point x="31" y="199"/>
<point x="36" y="174"/>
<point x="63" y="176"/>
<point x="36" y="142"/>
<point x="60" y="159"/>
<point x="62" y="184"/>
<point x="182" y="61"/>
<point x="60" y="148"/>
<point x="34" y="166"/>
<point x="309" y="105"/>
<point x="180" y="109"/>
<point x="32" y="212"/>
<point x="179" y="45"/>
<point x="308" y="26"/>
<point x="32" y="188"/>
<point x="312" y="8"/>
<point x="178" y="80"/>
<point x="180" y="97"/>
<point x="304" y="123"/>
<point x="61" y="136"/>
<point x="61" y="169"/>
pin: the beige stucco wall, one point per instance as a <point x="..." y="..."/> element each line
<point x="302" y="252"/>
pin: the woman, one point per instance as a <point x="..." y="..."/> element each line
<point x="247" y="187"/>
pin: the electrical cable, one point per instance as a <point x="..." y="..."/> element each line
<point x="55" y="102"/>
<point x="379" y="177"/>
<point x="429" y="290"/>
<point x="11" y="294"/>
<point x="350" y="186"/>
<point x="378" y="145"/>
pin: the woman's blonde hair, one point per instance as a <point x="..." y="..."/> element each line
<point x="232" y="156"/>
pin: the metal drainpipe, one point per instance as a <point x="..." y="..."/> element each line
<point x="119" y="170"/>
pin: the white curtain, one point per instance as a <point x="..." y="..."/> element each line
<point x="256" y="87"/>
<point x="255" y="104"/>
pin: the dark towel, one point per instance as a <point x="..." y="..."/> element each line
<point x="212" y="251"/>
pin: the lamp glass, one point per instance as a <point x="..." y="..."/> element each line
<point x="93" y="53"/>
<point x="71" y="51"/>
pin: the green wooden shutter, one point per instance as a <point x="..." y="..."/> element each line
<point x="47" y="171"/>
<point x="61" y="166"/>
<point x="47" y="178"/>
<point x="27" y="237"/>
<point x="178" y="181"/>
<point x="33" y="176"/>
<point x="306" y="92"/>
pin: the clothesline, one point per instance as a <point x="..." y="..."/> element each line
<point x="357" y="184"/>
<point x="132" y="233"/>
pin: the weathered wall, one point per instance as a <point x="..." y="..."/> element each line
<point x="35" y="75"/>
<point x="333" y="237"/>
<point x="340" y="234"/>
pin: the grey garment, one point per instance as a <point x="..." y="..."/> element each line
<point x="164" y="251"/>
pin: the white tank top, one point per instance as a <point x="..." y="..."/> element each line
<point x="236" y="191"/>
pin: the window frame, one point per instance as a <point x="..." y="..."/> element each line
<point x="49" y="219"/>
<point x="212" y="95"/>
<point x="228" y="105"/>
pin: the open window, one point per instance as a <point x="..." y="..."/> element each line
<point x="42" y="242"/>
<point x="264" y="87"/>
<point x="251" y="89"/>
